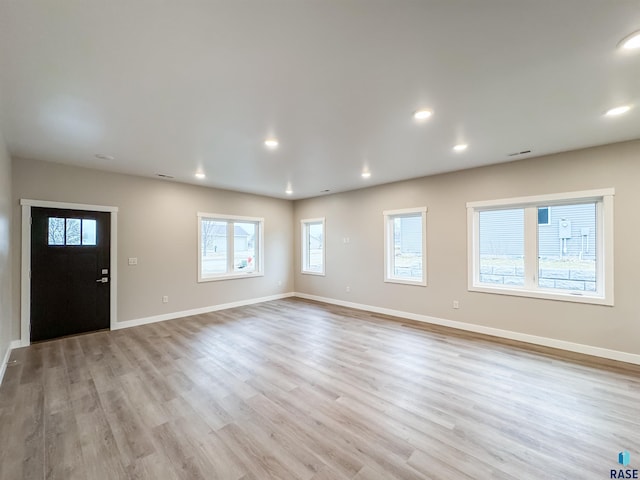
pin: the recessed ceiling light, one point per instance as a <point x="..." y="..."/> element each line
<point x="288" y="191"/>
<point x="631" y="42"/>
<point x="102" y="156"/>
<point x="618" y="110"/>
<point x="461" y="147"/>
<point x="422" y="114"/>
<point x="271" y="143"/>
<point x="200" y="175"/>
<point x="366" y="174"/>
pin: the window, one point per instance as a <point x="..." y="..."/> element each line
<point x="313" y="250"/>
<point x="551" y="246"/>
<point x="229" y="247"/>
<point x="71" y="231"/>
<point x="543" y="216"/>
<point x="405" y="246"/>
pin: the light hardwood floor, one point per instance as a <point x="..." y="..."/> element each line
<point x="299" y="390"/>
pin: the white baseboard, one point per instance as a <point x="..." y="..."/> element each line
<point x="197" y="311"/>
<point x="17" y="344"/>
<point x="5" y="360"/>
<point x="495" y="332"/>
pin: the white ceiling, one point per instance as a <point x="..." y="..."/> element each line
<point x="176" y="86"/>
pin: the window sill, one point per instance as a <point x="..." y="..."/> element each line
<point x="402" y="281"/>
<point x="233" y="276"/>
<point x="544" y="294"/>
<point x="317" y="274"/>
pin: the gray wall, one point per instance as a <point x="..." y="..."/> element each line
<point x="5" y="243"/>
<point x="167" y="266"/>
<point x="359" y="263"/>
<point x="157" y="223"/>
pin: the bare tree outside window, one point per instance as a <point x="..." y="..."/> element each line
<point x="56" y="231"/>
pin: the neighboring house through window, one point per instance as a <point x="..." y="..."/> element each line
<point x="543" y="216"/>
<point x="551" y="246"/>
<point x="229" y="247"/>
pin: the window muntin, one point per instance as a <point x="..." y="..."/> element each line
<point x="229" y="247"/>
<point x="405" y="246"/>
<point x="313" y="246"/>
<point x="569" y="258"/>
<point x="71" y="231"/>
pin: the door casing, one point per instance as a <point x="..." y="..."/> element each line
<point x="25" y="280"/>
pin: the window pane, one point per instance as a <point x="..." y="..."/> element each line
<point x="73" y="231"/>
<point x="543" y="216"/>
<point x="502" y="247"/>
<point x="244" y="243"/>
<point x="214" y="247"/>
<point x="56" y="231"/>
<point x="407" y="247"/>
<point x="567" y="249"/>
<point x="88" y="232"/>
<point x="314" y="246"/>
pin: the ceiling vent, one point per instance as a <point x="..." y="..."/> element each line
<point x="162" y="175"/>
<point x="515" y="154"/>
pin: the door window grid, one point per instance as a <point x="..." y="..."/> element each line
<point x="71" y="232"/>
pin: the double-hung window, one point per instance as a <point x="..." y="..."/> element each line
<point x="557" y="246"/>
<point x="313" y="246"/>
<point x="405" y="246"/>
<point x="229" y="247"/>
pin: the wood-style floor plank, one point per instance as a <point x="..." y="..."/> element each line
<point x="295" y="389"/>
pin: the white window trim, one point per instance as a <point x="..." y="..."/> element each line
<point x="259" y="269"/>
<point x="604" y="269"/>
<point x="304" y="229"/>
<point x="388" y="244"/>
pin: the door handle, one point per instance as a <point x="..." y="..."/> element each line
<point x="103" y="280"/>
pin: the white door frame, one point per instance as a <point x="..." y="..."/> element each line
<point x="25" y="275"/>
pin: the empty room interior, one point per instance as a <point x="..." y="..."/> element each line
<point x="319" y="240"/>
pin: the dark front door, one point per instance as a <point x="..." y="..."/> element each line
<point x="70" y="272"/>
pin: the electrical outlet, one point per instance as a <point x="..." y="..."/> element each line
<point x="348" y="289"/>
<point x="133" y="260"/>
<point x="456" y="304"/>
<point x="165" y="299"/>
